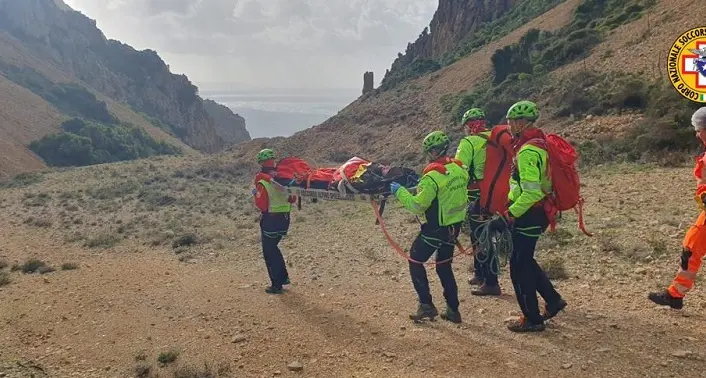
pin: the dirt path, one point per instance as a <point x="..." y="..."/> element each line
<point x="346" y="313"/>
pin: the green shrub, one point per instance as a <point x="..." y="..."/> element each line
<point x="539" y="52"/>
<point x="85" y="143"/>
<point x="33" y="265"/>
<point x="167" y="357"/>
<point x="79" y="102"/>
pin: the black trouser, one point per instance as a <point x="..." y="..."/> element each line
<point x="427" y="242"/>
<point x="485" y="263"/>
<point x="273" y="227"/>
<point x="527" y="276"/>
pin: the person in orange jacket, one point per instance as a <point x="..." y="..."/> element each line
<point x="694" y="244"/>
<point x="275" y="206"/>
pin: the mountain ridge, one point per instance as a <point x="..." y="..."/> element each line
<point x="45" y="41"/>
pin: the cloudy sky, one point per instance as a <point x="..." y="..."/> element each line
<point x="267" y="43"/>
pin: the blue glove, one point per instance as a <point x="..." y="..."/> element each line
<point x="394" y="187"/>
<point x="254" y="191"/>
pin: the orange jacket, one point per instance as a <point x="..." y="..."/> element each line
<point x="700" y="174"/>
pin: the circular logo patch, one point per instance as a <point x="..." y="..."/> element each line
<point x="686" y="64"/>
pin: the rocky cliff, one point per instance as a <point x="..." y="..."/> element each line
<point x="453" y="22"/>
<point x="70" y="41"/>
<point x="229" y="126"/>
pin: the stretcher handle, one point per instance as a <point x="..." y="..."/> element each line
<point x="381" y="209"/>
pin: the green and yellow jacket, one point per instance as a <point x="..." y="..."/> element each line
<point x="441" y="195"/>
<point x="529" y="183"/>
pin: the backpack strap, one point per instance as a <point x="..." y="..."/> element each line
<point x="471" y="168"/>
<point x="439" y="165"/>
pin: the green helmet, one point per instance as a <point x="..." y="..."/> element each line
<point x="473" y="114"/>
<point x="523" y="110"/>
<point x="436" y="140"/>
<point x="265" y="154"/>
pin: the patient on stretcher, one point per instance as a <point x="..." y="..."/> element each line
<point x="354" y="176"/>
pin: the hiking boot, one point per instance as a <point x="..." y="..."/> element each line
<point x="286" y="281"/>
<point x="486" y="290"/>
<point x="523" y="325"/>
<point x="663" y="298"/>
<point x="424" y="311"/>
<point x="274" y="290"/>
<point x="452" y="316"/>
<point x="475" y="281"/>
<point x="553" y="310"/>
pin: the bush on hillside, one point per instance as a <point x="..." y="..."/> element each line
<point x="86" y="143"/>
<point x="76" y="101"/>
<point x="538" y="52"/>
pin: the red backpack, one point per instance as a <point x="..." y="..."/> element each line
<point x="566" y="185"/>
<point x="496" y="174"/>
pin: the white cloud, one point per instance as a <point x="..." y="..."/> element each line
<point x="328" y="43"/>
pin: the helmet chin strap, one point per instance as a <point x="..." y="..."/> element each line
<point x="522" y="129"/>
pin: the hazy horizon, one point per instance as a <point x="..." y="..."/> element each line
<point x="283" y="111"/>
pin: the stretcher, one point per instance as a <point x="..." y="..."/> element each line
<point x="335" y="195"/>
<point x="343" y="194"/>
<point x="376" y="200"/>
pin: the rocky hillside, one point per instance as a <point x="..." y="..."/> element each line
<point x="229" y="126"/>
<point x="389" y="123"/>
<point x="458" y="27"/>
<point x="45" y="41"/>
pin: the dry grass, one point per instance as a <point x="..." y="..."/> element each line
<point x="210" y="222"/>
<point x="555" y="268"/>
<point x="4" y="279"/>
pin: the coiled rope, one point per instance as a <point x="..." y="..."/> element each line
<point x="492" y="248"/>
